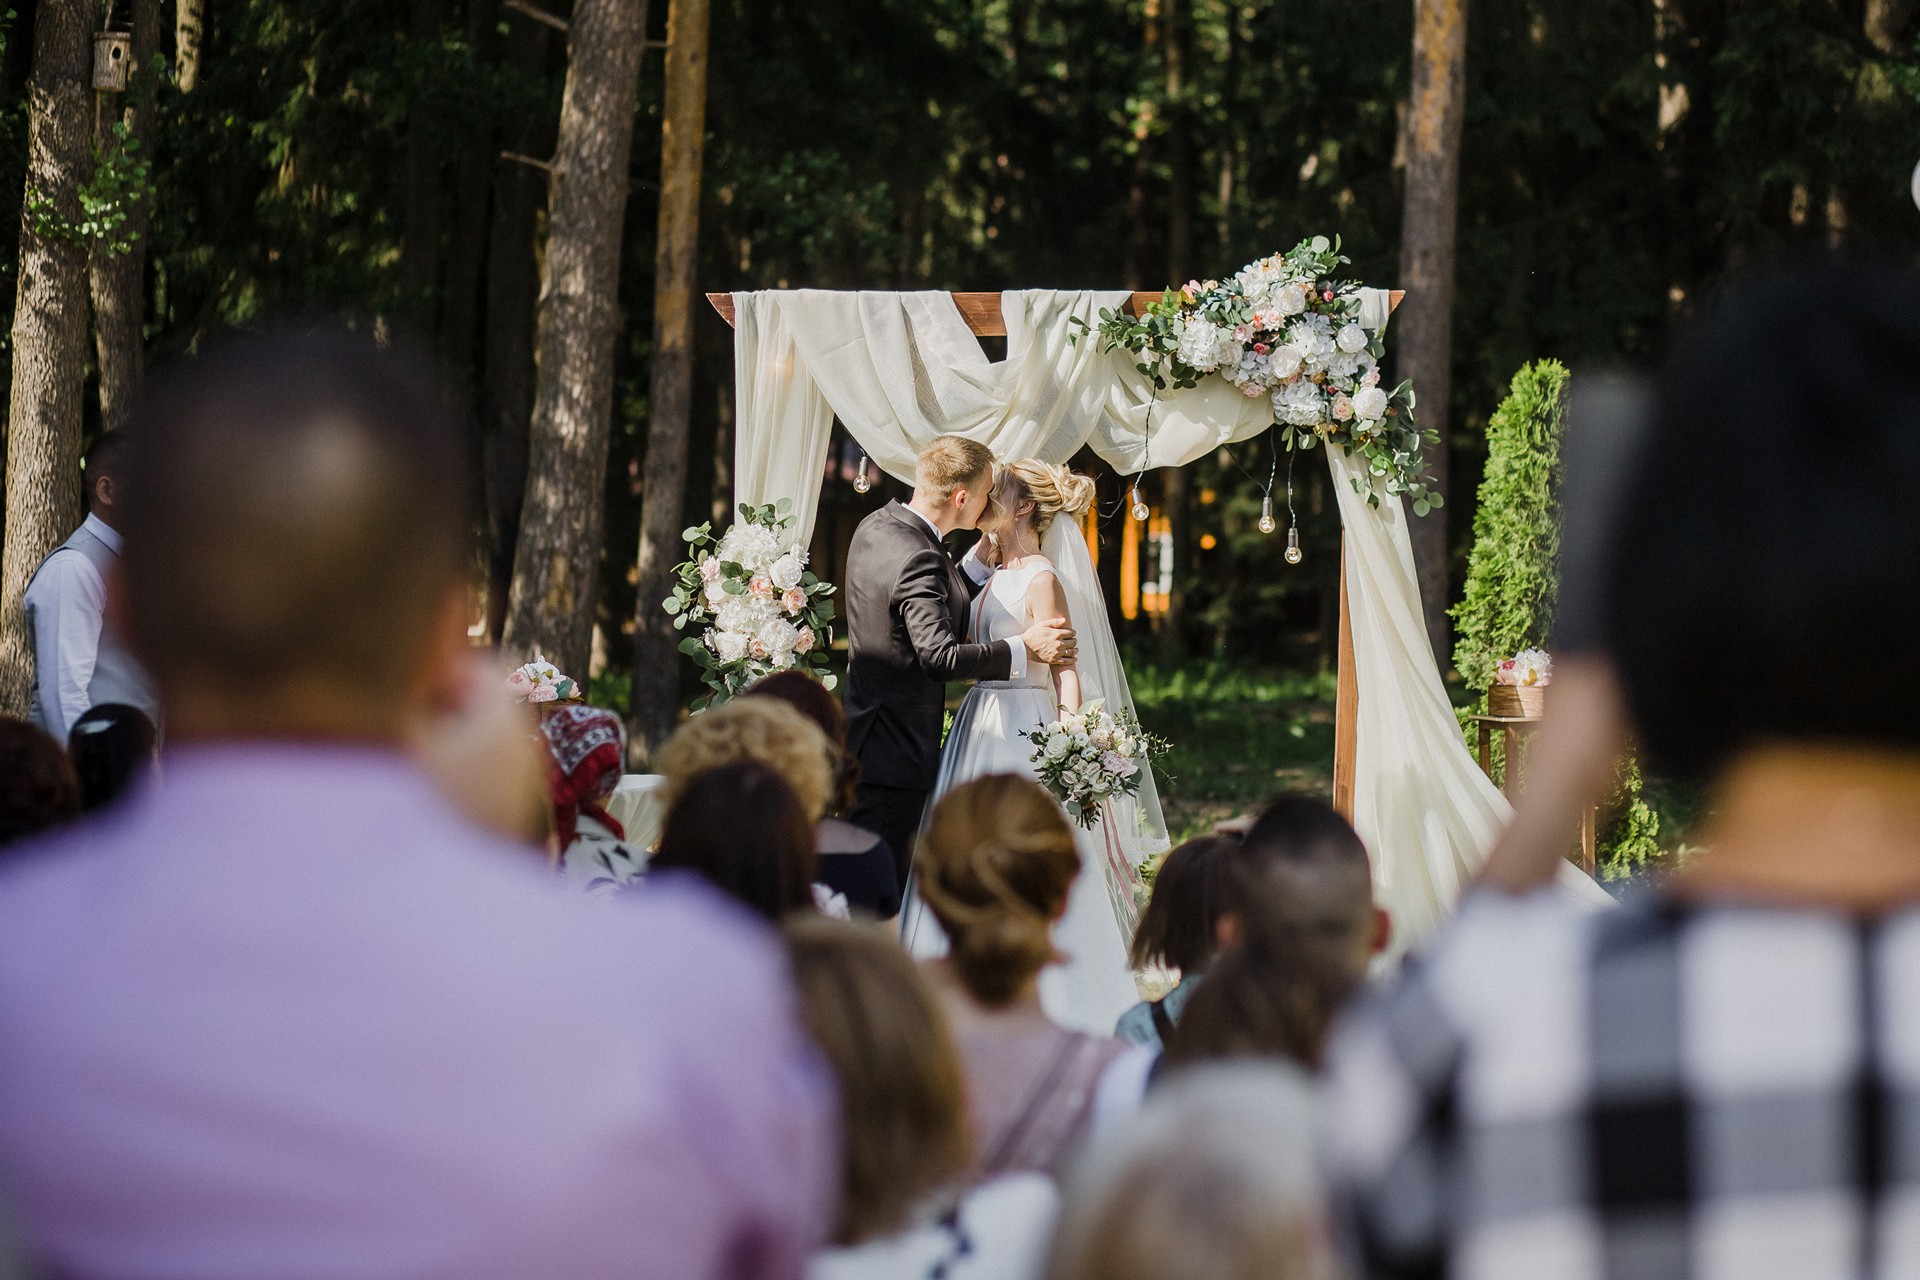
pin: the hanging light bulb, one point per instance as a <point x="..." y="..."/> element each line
<point x="1267" y="524"/>
<point x="1140" y="511"/>
<point x="1293" y="553"/>
<point x="860" y="481"/>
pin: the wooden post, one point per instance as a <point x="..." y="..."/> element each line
<point x="1346" y="705"/>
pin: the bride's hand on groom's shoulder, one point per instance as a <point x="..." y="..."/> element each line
<point x="1051" y="641"/>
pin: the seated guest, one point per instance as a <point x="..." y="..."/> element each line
<point x="111" y="747"/>
<point x="293" y="1014"/>
<point x="904" y="1119"/>
<point x="1217" y="1177"/>
<point x="994" y="867"/>
<point x="740" y="827"/>
<point x="38" y="791"/>
<point x="1304" y="929"/>
<point x="1717" y="1080"/>
<point x="586" y="749"/>
<point x="768" y="730"/>
<point x="1178" y="931"/>
<point x="854" y="861"/>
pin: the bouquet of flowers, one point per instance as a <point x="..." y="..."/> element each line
<point x="541" y="681"/>
<point x="1086" y="758"/>
<point x="1525" y="669"/>
<point x="1285" y="329"/>
<point x="757" y="608"/>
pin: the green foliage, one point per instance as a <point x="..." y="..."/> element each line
<point x="1513" y="572"/>
<point x="1631" y="837"/>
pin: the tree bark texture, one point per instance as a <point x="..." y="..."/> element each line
<point x="119" y="281"/>
<point x="425" y="212"/>
<point x="656" y="658"/>
<point x="1424" y="323"/>
<point x="49" y="330"/>
<point x="1180" y="268"/>
<point x="189" y="23"/>
<point x="1886" y="23"/>
<point x="557" y="562"/>
<point x="513" y="281"/>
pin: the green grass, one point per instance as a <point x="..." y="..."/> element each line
<point x="1238" y="738"/>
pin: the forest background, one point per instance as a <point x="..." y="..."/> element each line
<point x="1619" y="160"/>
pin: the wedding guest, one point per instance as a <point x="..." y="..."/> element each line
<point x="1217" y="1177"/>
<point x="586" y="751"/>
<point x="994" y="867"/>
<point x="1715" y="1079"/>
<point x="768" y="730"/>
<point x="111" y="747"/>
<point x="854" y="861"/>
<point x="79" y="658"/>
<point x="741" y="827"/>
<point x="38" y="790"/>
<point x="1179" y="930"/>
<point x="292" y="1013"/>
<point x="1303" y="930"/>
<point x="903" y="1215"/>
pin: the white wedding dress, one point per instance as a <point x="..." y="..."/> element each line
<point x="1094" y="986"/>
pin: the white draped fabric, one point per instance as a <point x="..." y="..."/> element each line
<point x="901" y="368"/>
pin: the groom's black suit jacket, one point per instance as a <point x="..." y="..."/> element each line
<point x="906" y="626"/>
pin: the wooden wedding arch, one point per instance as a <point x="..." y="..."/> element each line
<point x="982" y="313"/>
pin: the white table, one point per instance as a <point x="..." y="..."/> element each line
<point x="639" y="803"/>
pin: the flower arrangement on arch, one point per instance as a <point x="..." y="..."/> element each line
<point x="1284" y="328"/>
<point x="757" y="608"/>
<point x="1086" y="758"/>
<point x="540" y="681"/>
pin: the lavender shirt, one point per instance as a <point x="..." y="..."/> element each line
<point x="290" y="1016"/>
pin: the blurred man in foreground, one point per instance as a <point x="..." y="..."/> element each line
<point x="291" y="1013"/>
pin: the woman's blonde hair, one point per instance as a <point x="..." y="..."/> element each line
<point x="903" y="1106"/>
<point x="994" y="866"/>
<point x="762" y="729"/>
<point x="1052" y="490"/>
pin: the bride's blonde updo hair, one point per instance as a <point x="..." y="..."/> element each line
<point x="1052" y="490"/>
<point x="994" y="866"/>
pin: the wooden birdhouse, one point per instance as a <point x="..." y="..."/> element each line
<point x="112" y="56"/>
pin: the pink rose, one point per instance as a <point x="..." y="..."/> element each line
<point x="1242" y="333"/>
<point x="761" y="585"/>
<point x="544" y="693"/>
<point x="803" y="643"/>
<point x="794" y="600"/>
<point x="519" y="684"/>
<point x="1261" y="349"/>
<point x="1252" y="390"/>
<point x="757" y="650"/>
<point x="1342" y="408"/>
<point x="710" y="570"/>
<point x="1372" y="378"/>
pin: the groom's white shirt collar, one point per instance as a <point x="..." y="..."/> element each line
<point x="979" y="571"/>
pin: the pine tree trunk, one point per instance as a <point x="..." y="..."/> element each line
<point x="189" y="23"/>
<point x="425" y="212"/>
<point x="1180" y="268"/>
<point x="1424" y="323"/>
<point x="506" y="386"/>
<point x="119" y="281"/>
<point x="656" y="659"/>
<point x="556" y="566"/>
<point x="49" y="330"/>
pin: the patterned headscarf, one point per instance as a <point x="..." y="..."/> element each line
<point x="587" y="748"/>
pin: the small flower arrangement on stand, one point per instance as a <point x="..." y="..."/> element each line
<point x="1520" y="685"/>
<point x="757" y="607"/>
<point x="540" y="681"/>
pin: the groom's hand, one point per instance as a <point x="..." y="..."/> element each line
<point x="1051" y="641"/>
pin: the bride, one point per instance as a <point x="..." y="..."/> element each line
<point x="1044" y="571"/>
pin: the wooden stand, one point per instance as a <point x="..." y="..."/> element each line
<point x="1514" y="727"/>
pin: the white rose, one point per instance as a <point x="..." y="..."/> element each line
<point x="716" y="593"/>
<point x="1352" y="339"/>
<point x="1290" y="299"/>
<point x="1058" y="747"/>
<point x="730" y="645"/>
<point x="787" y="569"/>
<point x="1284" y="362"/>
<point x="778" y="635"/>
<point x="1370" y="404"/>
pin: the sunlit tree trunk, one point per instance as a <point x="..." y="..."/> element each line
<point x="1180" y="267"/>
<point x="557" y="563"/>
<point x="1424" y="323"/>
<point x="189" y="22"/>
<point x="1886" y="23"/>
<point x="49" y="327"/>
<point x="119" y="281"/>
<point x="656" y="660"/>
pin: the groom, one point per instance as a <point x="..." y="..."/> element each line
<point x="907" y="605"/>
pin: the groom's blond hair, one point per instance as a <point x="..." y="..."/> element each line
<point x="949" y="462"/>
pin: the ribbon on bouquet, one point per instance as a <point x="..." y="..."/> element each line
<point x="1123" y="879"/>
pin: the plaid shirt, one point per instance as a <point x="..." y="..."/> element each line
<point x="1711" y="1091"/>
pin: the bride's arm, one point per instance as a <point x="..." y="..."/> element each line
<point x="1046" y="599"/>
